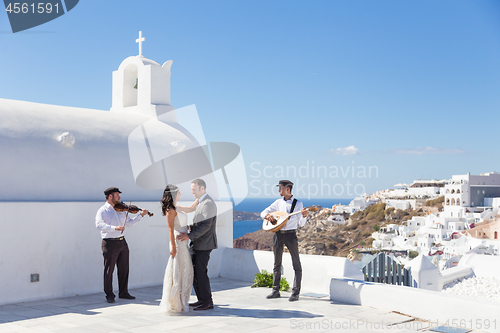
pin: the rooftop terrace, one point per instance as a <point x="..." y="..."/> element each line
<point x="237" y="308"/>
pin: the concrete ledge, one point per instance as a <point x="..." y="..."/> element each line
<point x="423" y="304"/>
<point x="482" y="265"/>
<point x="454" y="273"/>
<point x="240" y="264"/>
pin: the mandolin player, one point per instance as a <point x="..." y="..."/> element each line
<point x="287" y="236"/>
<point x="114" y="247"/>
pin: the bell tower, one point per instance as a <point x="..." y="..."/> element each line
<point x="141" y="85"/>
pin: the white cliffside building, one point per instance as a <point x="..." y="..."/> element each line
<point x="469" y="199"/>
<point x="357" y="204"/>
<point x="471" y="194"/>
<point x="418" y="189"/>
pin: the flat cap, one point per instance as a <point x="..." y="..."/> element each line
<point x="110" y="190"/>
<point x="285" y="183"/>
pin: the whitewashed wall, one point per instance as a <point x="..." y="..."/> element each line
<point x="400" y="204"/>
<point x="317" y="271"/>
<point x="59" y="241"/>
<point x="482" y="265"/>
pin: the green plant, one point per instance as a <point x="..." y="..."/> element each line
<point x="376" y="227"/>
<point x="284" y="286"/>
<point x="413" y="254"/>
<point x="265" y="279"/>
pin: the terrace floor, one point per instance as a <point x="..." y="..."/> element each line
<point x="238" y="308"/>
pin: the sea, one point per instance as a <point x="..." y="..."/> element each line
<point x="257" y="205"/>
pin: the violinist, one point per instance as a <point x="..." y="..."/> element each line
<point x="114" y="247"/>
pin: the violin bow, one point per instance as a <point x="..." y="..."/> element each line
<point x="126" y="215"/>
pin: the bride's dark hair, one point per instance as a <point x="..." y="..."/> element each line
<point x="167" y="202"/>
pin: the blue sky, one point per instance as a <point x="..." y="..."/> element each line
<point x="412" y="86"/>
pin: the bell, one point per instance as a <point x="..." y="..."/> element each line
<point x="136" y="83"/>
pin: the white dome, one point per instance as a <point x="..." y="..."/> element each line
<point x="147" y="61"/>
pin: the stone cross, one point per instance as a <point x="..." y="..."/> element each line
<point x="140" y="40"/>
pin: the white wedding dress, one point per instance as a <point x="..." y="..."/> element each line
<point x="178" y="280"/>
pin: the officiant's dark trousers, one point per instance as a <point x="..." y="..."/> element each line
<point x="289" y="239"/>
<point x="115" y="252"/>
<point x="201" y="282"/>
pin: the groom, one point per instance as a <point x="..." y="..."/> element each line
<point x="203" y="241"/>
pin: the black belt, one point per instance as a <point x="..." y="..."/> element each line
<point x="118" y="238"/>
<point x="286" y="231"/>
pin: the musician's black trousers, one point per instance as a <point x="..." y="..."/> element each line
<point x="201" y="282"/>
<point x="115" y="252"/>
<point x="292" y="243"/>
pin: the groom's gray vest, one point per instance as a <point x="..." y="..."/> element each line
<point x="202" y="234"/>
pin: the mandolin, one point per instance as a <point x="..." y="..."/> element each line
<point x="280" y="220"/>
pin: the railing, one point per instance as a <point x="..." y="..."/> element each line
<point x="384" y="269"/>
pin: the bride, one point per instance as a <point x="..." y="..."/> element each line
<point x="178" y="279"/>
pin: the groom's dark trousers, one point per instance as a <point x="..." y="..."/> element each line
<point x="201" y="282"/>
<point x="203" y="241"/>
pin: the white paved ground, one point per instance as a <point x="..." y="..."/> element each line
<point x="238" y="308"/>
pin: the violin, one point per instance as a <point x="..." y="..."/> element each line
<point x="123" y="207"/>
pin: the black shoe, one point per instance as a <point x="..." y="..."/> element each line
<point x="127" y="296"/>
<point x="204" y="307"/>
<point x="294" y="297"/>
<point x="274" y="294"/>
<point x="195" y="304"/>
<point x="110" y="299"/>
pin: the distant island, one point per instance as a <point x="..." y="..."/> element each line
<point x="245" y="216"/>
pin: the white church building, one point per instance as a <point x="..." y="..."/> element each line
<point x="57" y="161"/>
